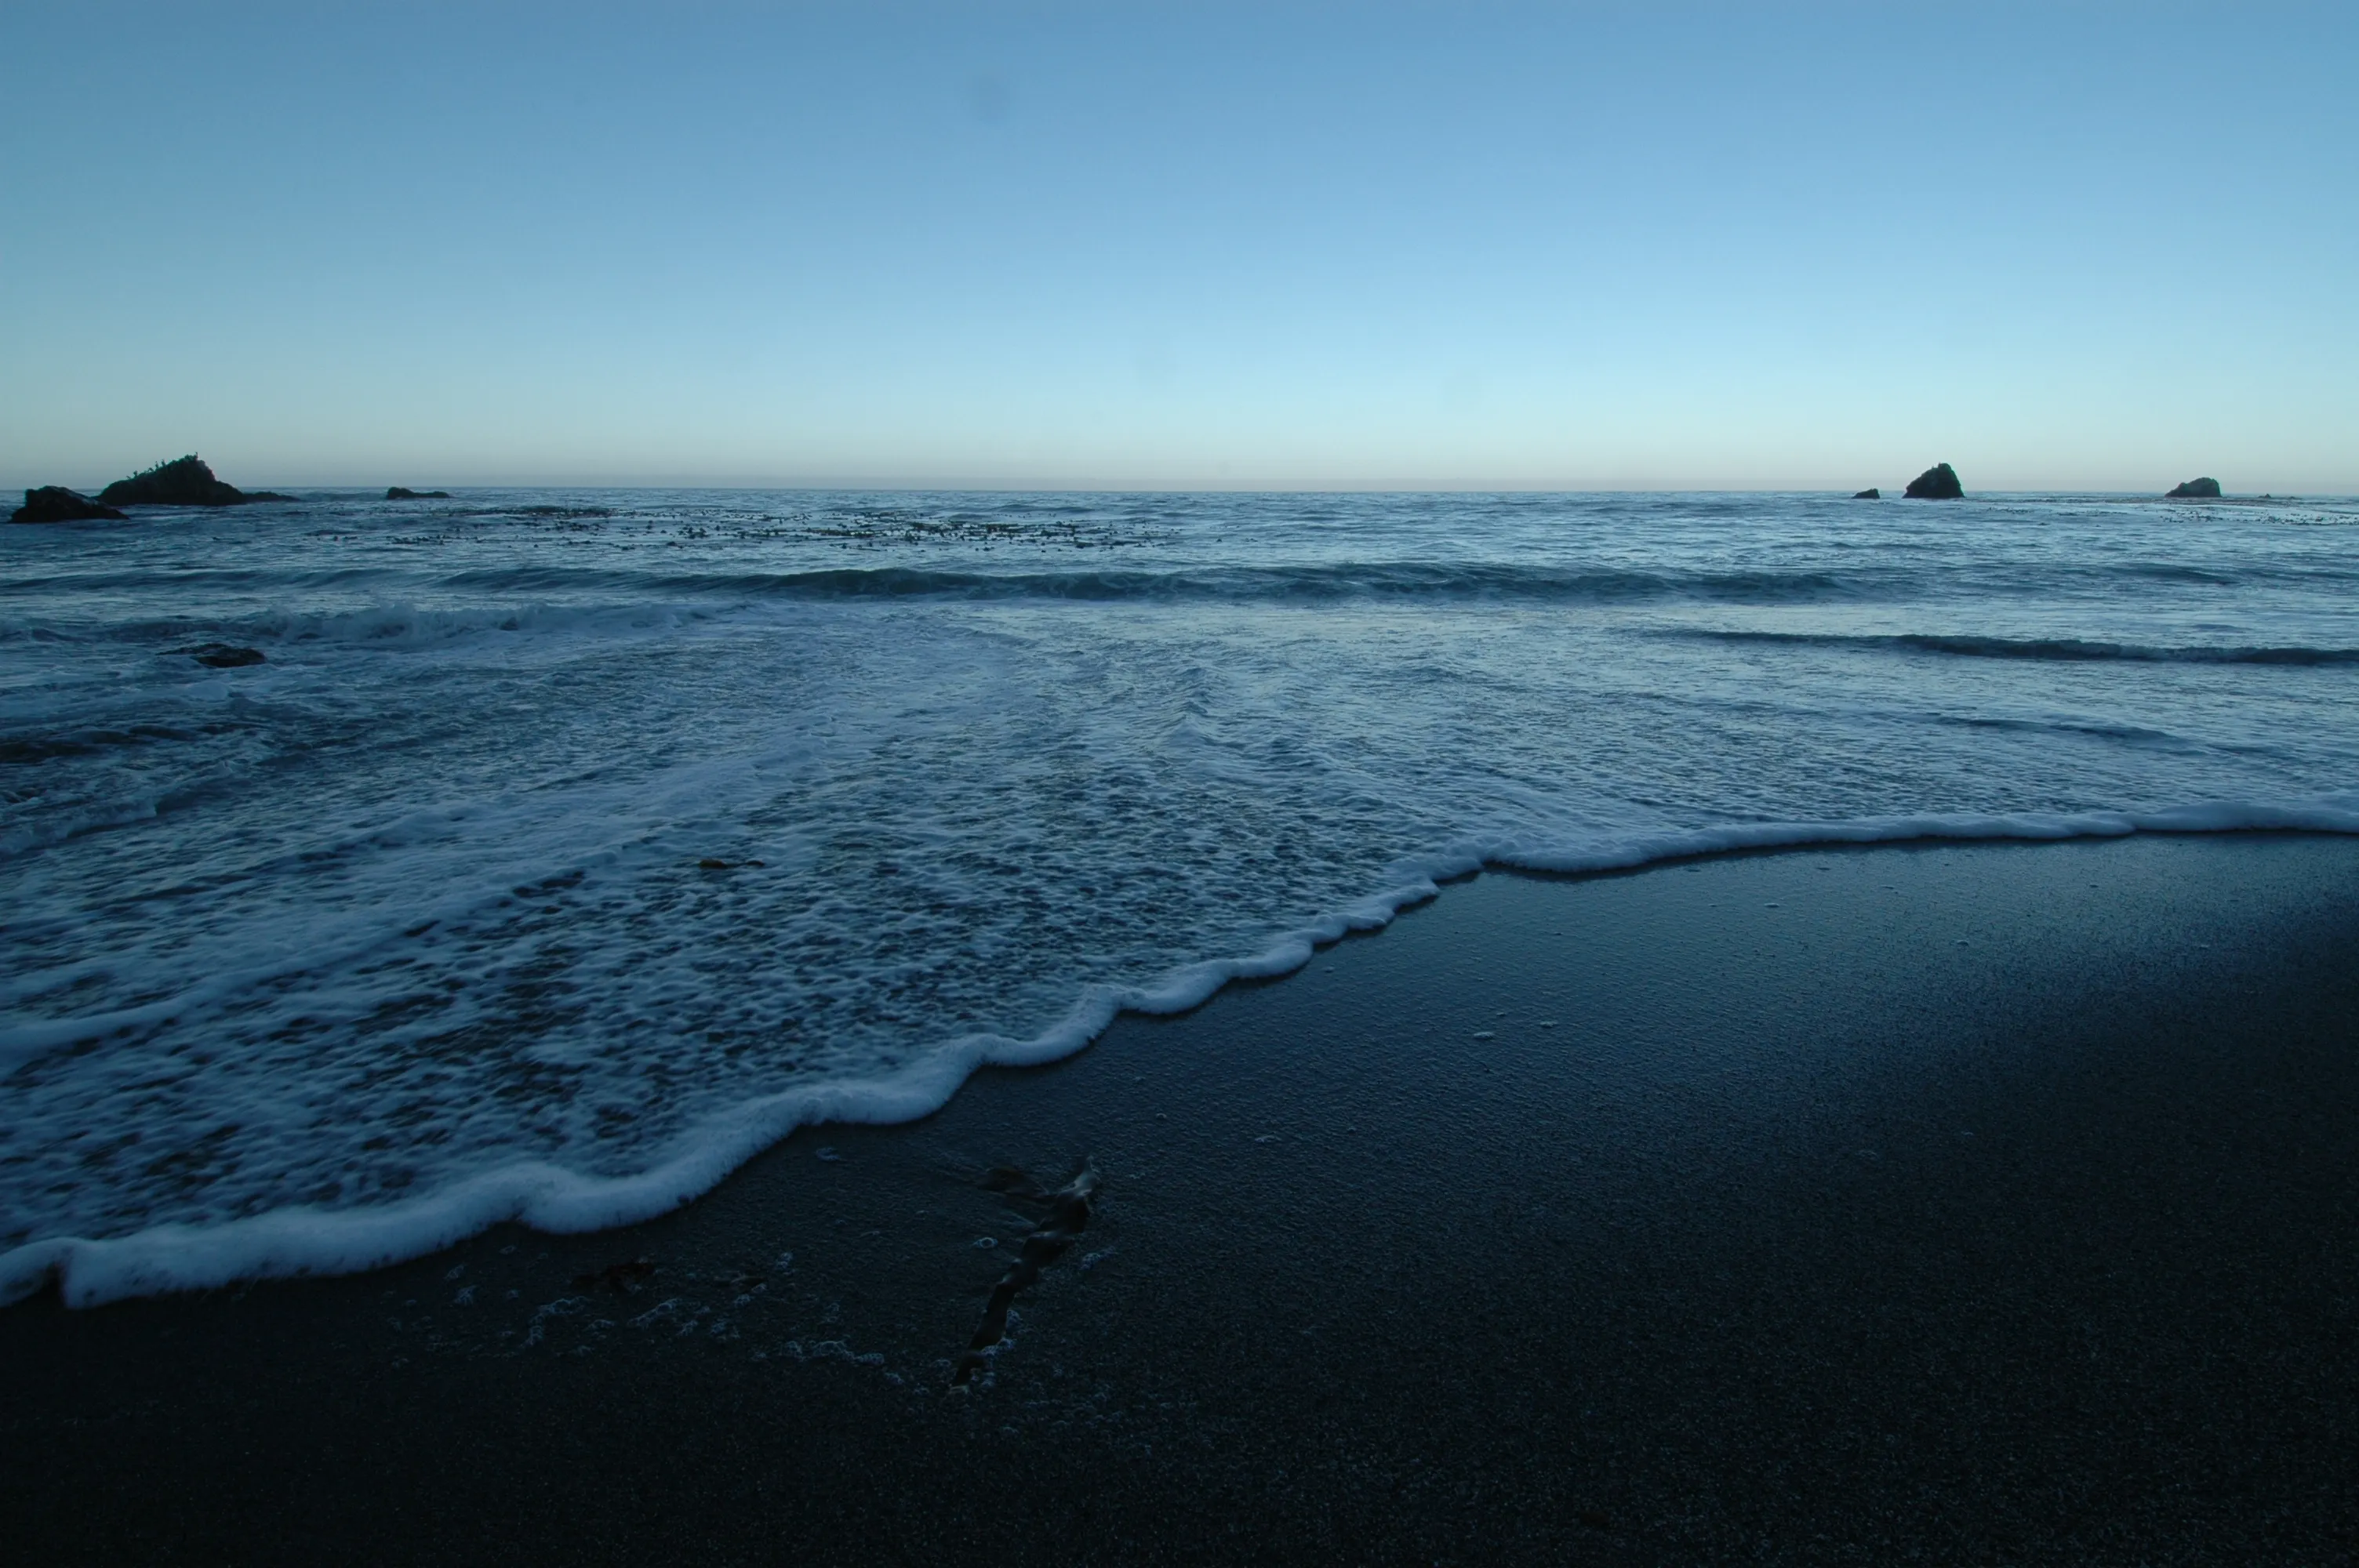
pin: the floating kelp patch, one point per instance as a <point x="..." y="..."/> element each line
<point x="1065" y="1214"/>
<point x="224" y="656"/>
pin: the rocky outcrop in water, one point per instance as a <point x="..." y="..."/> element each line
<point x="1870" y="493"/>
<point x="183" y="482"/>
<point x="397" y="493"/>
<point x="56" y="504"/>
<point x="2196" y="490"/>
<point x="1939" y="482"/>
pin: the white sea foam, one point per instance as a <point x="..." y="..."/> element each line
<point x="549" y="871"/>
<point x="300" y="1240"/>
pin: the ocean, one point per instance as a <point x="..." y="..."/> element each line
<point x="546" y="854"/>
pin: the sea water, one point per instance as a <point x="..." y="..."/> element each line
<point x="564" y="848"/>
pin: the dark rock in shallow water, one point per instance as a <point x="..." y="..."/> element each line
<point x="183" y="482"/>
<point x="225" y="655"/>
<point x="1870" y="493"/>
<point x="56" y="504"/>
<point x="1939" y="482"/>
<point x="2196" y="490"/>
<point x="398" y="493"/>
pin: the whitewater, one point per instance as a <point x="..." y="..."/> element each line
<point x="564" y="848"/>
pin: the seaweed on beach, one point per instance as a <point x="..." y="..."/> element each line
<point x="1064" y="1215"/>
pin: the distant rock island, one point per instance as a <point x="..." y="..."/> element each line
<point x="396" y="492"/>
<point x="1939" y="482"/>
<point x="183" y="482"/>
<point x="56" y="504"/>
<point x="2196" y="490"/>
<point x="1870" y="493"/>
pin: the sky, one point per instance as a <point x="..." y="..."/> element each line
<point x="1145" y="246"/>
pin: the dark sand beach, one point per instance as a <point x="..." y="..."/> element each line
<point x="1960" y="1204"/>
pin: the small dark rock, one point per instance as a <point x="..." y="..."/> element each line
<point x="2196" y="490"/>
<point x="397" y="493"/>
<point x="183" y="482"/>
<point x="56" y="504"/>
<point x="226" y="656"/>
<point x="1871" y="493"/>
<point x="1939" y="482"/>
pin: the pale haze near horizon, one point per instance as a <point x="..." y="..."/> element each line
<point x="1141" y="247"/>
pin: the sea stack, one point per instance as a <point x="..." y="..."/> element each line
<point x="2196" y="490"/>
<point x="1870" y="493"/>
<point x="400" y="493"/>
<point x="56" y="504"/>
<point x="1939" y="482"/>
<point x="183" y="482"/>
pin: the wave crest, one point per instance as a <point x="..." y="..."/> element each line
<point x="2060" y="649"/>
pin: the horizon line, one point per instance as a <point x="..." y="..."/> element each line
<point x="1004" y="486"/>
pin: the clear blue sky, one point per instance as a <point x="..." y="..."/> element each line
<point x="1124" y="244"/>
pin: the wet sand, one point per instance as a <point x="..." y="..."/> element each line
<point x="1963" y="1202"/>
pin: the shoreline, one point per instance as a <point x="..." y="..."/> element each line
<point x="1985" y="1200"/>
<point x="305" y="1243"/>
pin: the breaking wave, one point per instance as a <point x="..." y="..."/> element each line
<point x="2059" y="649"/>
